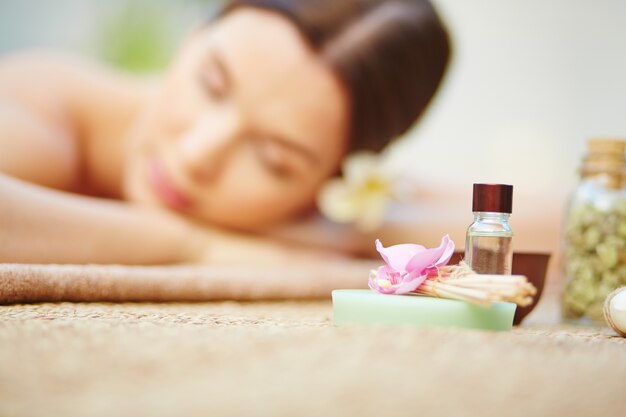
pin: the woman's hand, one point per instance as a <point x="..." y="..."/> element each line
<point x="214" y="246"/>
<point x="315" y="231"/>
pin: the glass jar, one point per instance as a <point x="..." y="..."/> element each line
<point x="594" y="236"/>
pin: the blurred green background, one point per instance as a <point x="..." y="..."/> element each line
<point x="135" y="35"/>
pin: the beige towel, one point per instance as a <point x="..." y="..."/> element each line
<point x="24" y="283"/>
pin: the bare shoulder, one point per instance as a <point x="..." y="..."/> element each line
<point x="29" y="70"/>
<point x="44" y="79"/>
<point x="51" y="105"/>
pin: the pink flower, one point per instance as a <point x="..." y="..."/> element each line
<point x="408" y="265"/>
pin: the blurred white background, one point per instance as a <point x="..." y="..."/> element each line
<point x="530" y="81"/>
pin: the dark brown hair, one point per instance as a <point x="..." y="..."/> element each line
<point x="389" y="54"/>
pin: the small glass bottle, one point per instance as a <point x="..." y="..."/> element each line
<point x="594" y="235"/>
<point x="488" y="248"/>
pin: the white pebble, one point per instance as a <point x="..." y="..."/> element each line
<point x="615" y="310"/>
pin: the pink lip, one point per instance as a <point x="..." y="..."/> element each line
<point x="164" y="188"/>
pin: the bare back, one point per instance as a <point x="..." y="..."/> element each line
<point x="63" y="122"/>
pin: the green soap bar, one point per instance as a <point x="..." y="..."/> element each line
<point x="370" y="307"/>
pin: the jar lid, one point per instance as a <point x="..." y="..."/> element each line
<point x="605" y="156"/>
<point x="494" y="198"/>
<point x="611" y="146"/>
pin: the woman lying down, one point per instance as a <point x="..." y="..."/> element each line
<point x="257" y="110"/>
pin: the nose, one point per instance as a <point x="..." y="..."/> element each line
<point x="205" y="147"/>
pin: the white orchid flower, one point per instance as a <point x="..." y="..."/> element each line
<point x="363" y="194"/>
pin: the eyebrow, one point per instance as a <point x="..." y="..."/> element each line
<point x="302" y="150"/>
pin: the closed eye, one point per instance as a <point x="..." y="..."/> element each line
<point x="214" y="78"/>
<point x="276" y="158"/>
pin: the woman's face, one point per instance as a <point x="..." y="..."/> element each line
<point x="247" y="126"/>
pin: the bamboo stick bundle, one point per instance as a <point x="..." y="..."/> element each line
<point x="459" y="282"/>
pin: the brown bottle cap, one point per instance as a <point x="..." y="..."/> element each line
<point x="494" y="198"/>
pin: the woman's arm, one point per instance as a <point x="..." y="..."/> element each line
<point x="41" y="225"/>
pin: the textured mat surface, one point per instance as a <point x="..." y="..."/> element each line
<point x="287" y="359"/>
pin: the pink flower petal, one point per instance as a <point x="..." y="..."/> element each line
<point x="388" y="273"/>
<point x="431" y="258"/>
<point x="447" y="252"/>
<point x="408" y="283"/>
<point x="398" y="256"/>
<point x="373" y="284"/>
<point x="384" y="273"/>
